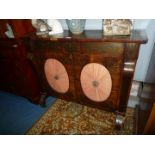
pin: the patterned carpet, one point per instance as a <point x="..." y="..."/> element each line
<point x="71" y="118"/>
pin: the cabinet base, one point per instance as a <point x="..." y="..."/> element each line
<point x="42" y="101"/>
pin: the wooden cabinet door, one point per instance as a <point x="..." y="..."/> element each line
<point x="98" y="68"/>
<point x="53" y="64"/>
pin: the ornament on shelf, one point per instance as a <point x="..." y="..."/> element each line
<point x="76" y="26"/>
<point x="55" y="25"/>
<point x="117" y="26"/>
<point x="50" y="26"/>
<point x="40" y="25"/>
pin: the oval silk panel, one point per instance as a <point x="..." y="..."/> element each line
<point x="56" y="75"/>
<point x="96" y="82"/>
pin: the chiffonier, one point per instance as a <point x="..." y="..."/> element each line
<point x="90" y="69"/>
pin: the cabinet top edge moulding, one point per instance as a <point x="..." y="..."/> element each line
<point x="136" y="36"/>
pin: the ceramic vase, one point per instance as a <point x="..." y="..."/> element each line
<point x="76" y="26"/>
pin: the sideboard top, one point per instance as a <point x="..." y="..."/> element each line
<point x="136" y="36"/>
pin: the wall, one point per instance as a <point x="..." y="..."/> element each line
<point x="90" y="24"/>
<point x="145" y="51"/>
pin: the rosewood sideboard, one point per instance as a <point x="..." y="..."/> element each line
<point x="90" y="69"/>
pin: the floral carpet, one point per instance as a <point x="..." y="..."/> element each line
<point x="70" y="118"/>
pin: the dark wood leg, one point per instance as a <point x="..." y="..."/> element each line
<point x="119" y="121"/>
<point x="42" y="101"/>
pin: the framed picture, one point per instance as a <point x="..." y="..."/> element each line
<point x="117" y="26"/>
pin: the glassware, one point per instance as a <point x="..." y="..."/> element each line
<point x="76" y="26"/>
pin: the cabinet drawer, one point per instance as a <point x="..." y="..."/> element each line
<point x="51" y="46"/>
<point x="113" y="64"/>
<point x="107" y="48"/>
<point x="64" y="58"/>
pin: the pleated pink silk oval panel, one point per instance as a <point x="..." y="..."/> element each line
<point x="56" y="75"/>
<point x="96" y="82"/>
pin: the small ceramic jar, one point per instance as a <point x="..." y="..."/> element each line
<point x="76" y="26"/>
